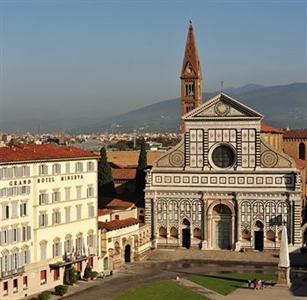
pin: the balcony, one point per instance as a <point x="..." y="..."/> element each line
<point x="13" y="272"/>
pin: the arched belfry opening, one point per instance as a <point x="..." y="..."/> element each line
<point x="186" y="233"/>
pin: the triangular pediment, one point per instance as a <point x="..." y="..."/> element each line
<point x="222" y="106"/>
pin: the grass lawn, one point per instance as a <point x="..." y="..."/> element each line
<point x="227" y="283"/>
<point x="160" y="290"/>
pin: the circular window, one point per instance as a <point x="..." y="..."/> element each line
<point x="223" y="156"/>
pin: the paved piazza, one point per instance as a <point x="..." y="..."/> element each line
<point x="168" y="264"/>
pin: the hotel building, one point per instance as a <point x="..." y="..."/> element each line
<point x="48" y="199"/>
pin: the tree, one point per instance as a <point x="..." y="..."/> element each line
<point x="142" y="165"/>
<point x="105" y="179"/>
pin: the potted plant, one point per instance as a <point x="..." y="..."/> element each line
<point x="94" y="275"/>
<point x="87" y="273"/>
<point x="73" y="276"/>
<point x="60" y="290"/>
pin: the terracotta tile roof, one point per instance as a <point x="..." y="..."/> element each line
<point x="130" y="158"/>
<point x="117" y="224"/>
<point x="104" y="211"/>
<point x="124" y="174"/>
<point x="118" y="203"/>
<point x="300" y="133"/>
<point x="269" y="129"/>
<point x="300" y="163"/>
<point x="33" y="152"/>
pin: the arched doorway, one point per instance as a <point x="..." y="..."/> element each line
<point x="258" y="235"/>
<point x="222" y="226"/>
<point x="128" y="253"/>
<point x="186" y="234"/>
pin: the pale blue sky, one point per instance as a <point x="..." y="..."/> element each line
<point x="127" y="54"/>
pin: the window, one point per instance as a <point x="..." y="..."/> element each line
<point x="67" y="214"/>
<point x="5" y="288"/>
<point x="56" y="169"/>
<point x="90" y="240"/>
<point x="223" y="156"/>
<point x="301" y="151"/>
<point x="14" y="235"/>
<point x="79" y="244"/>
<point x="5" y="211"/>
<point x="56" y="274"/>
<point x="26" y="257"/>
<point x="67" y="193"/>
<point x="5" y="263"/>
<point x="4" y="235"/>
<point x="15" y="257"/>
<point x="79" y="167"/>
<point x="43" y="170"/>
<point x="79" y="211"/>
<point x="23" y="209"/>
<point x="91" y="211"/>
<point x="56" y="248"/>
<point x="43" y="276"/>
<point x="43" y="220"/>
<point x="90" y="191"/>
<point x="56" y="218"/>
<point x="43" y="198"/>
<point x="68" y="245"/>
<point x="79" y="192"/>
<point x="116" y="217"/>
<point x="90" y="166"/>
<point x="15" y="285"/>
<point x="25" y="282"/>
<point x="56" y="196"/>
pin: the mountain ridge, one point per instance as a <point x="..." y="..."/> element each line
<point x="281" y="105"/>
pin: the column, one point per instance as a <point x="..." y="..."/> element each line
<point x="204" y="243"/>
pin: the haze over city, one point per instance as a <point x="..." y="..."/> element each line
<point x="98" y="59"/>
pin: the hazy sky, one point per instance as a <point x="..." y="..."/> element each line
<point x="75" y="55"/>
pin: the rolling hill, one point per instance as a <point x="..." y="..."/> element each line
<point x="281" y="105"/>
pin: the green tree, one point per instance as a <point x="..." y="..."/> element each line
<point x="142" y="165"/>
<point x="106" y="186"/>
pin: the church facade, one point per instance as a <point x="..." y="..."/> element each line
<point x="222" y="186"/>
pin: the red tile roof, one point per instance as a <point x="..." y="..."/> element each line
<point x="300" y="163"/>
<point x="118" y="203"/>
<point x="117" y="224"/>
<point x="269" y="129"/>
<point x="300" y="133"/>
<point x="124" y="174"/>
<point x="104" y="211"/>
<point x="32" y="152"/>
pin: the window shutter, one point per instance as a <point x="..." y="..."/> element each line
<point x="3" y="212"/>
<point x="28" y="233"/>
<point x="18" y="235"/>
<point x="28" y="256"/>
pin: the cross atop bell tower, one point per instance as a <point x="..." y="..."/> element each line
<point x="191" y="76"/>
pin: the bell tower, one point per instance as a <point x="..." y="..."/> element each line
<point x="191" y="77"/>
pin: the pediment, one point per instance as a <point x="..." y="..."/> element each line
<point x="222" y="106"/>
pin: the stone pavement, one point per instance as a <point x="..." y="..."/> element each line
<point x="253" y="257"/>
<point x="168" y="264"/>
